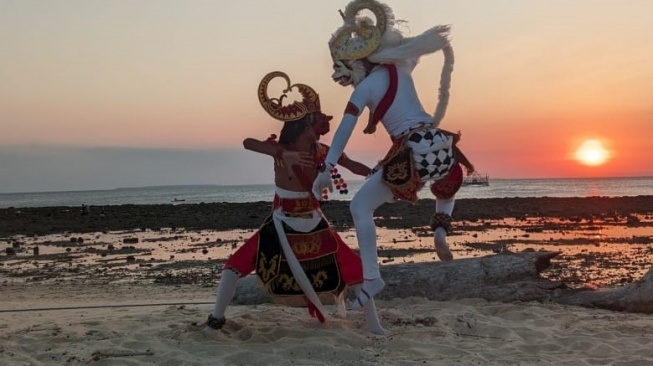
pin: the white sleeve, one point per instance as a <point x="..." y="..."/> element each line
<point x="359" y="98"/>
<point x="340" y="139"/>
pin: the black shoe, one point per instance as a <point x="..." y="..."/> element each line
<point x="215" y="323"/>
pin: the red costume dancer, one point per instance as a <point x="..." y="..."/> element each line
<point x="296" y="253"/>
<point x="377" y="60"/>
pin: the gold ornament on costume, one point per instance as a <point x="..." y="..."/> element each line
<point x="292" y="112"/>
<point x="355" y="42"/>
<point x="359" y="37"/>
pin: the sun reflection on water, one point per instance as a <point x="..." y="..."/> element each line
<point x="592" y="252"/>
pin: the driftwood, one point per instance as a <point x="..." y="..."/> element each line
<point x="636" y="297"/>
<point x="504" y="277"/>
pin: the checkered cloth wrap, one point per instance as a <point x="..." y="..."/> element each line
<point x="432" y="153"/>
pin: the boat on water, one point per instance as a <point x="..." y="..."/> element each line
<point x="476" y="179"/>
<point x="178" y="200"/>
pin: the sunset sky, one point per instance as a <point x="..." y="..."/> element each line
<point x="123" y="93"/>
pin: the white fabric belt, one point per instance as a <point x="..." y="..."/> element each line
<point x="419" y="126"/>
<point x="284" y="193"/>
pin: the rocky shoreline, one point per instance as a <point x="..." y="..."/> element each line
<point x="228" y="216"/>
<point x="602" y="240"/>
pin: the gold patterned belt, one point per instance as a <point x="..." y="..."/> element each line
<point x="296" y="207"/>
<point x="304" y="215"/>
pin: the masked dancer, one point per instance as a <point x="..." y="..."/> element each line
<point x="374" y="57"/>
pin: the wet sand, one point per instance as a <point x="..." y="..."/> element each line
<point x="602" y="241"/>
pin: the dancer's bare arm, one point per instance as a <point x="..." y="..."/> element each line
<point x="275" y="150"/>
<point x="462" y="159"/>
<point x="354" y="166"/>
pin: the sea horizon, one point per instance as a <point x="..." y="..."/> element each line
<point x="270" y="184"/>
<point x="208" y="193"/>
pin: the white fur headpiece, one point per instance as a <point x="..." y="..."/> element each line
<point x="359" y="36"/>
<point x="381" y="42"/>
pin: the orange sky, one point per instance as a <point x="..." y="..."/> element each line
<point x="532" y="79"/>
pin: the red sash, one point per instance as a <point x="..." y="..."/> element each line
<point x="387" y="99"/>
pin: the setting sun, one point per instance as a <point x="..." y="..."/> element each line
<point x="592" y="152"/>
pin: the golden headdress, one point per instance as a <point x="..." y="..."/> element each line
<point x="360" y="36"/>
<point x="292" y="112"/>
<point x="382" y="42"/>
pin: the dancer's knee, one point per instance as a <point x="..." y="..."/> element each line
<point x="231" y="271"/>
<point x="358" y="210"/>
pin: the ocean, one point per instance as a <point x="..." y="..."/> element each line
<point x="497" y="188"/>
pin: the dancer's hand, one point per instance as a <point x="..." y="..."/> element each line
<point x="470" y="169"/>
<point x="303" y="159"/>
<point x="372" y="171"/>
<point x="323" y="180"/>
<point x="369" y="129"/>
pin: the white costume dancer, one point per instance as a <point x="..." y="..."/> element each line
<point x="378" y="61"/>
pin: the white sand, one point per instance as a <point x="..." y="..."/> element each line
<point x="469" y="332"/>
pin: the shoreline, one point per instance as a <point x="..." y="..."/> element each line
<point x="602" y="241"/>
<point x="31" y="221"/>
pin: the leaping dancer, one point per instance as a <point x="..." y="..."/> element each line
<point x="377" y="60"/>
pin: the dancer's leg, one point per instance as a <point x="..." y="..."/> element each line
<point x="225" y="292"/>
<point x="445" y="205"/>
<point x="440" y="234"/>
<point x="372" y="194"/>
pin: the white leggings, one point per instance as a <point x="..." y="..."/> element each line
<point x="371" y="195"/>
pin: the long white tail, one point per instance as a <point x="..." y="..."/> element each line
<point x="445" y="85"/>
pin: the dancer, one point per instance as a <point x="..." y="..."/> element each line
<point x="377" y="60"/>
<point x="321" y="124"/>
<point x="296" y="253"/>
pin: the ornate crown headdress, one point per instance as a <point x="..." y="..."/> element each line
<point x="360" y="36"/>
<point x="383" y="43"/>
<point x="292" y="112"/>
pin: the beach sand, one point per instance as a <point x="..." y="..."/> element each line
<point x="83" y="304"/>
<point x="465" y="332"/>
